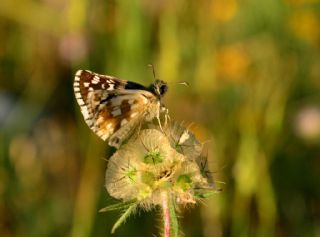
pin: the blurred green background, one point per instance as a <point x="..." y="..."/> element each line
<point x="254" y="72"/>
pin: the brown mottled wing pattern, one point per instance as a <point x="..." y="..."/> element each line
<point x="108" y="108"/>
<point x="128" y="110"/>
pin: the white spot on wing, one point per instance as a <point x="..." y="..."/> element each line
<point x="78" y="95"/>
<point x="134" y="106"/>
<point x="86" y="84"/>
<point x="111" y="87"/>
<point x="116" y="112"/>
<point x="123" y="122"/>
<point x="116" y="101"/>
<point x="109" y="126"/>
<point x="78" y="73"/>
<point x="104" y="137"/>
<point x="133" y="115"/>
<point x="144" y="100"/>
<point x="95" y="80"/>
<point x="100" y="133"/>
<point x="80" y="101"/>
<point x="100" y="120"/>
<point x="185" y="135"/>
<point x="85" y="113"/>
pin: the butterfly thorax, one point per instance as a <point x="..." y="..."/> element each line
<point x="158" y="88"/>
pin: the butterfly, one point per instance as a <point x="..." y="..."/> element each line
<point x="113" y="108"/>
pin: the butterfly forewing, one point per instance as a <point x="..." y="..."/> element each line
<point x="91" y="89"/>
<point x="112" y="106"/>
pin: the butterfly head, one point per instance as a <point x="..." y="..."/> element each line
<point x="159" y="88"/>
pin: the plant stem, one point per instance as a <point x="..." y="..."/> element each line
<point x="166" y="214"/>
<point x="169" y="216"/>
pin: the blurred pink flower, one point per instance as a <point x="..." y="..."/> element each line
<point x="73" y="47"/>
<point x="307" y="122"/>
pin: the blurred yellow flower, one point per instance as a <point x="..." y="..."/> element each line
<point x="305" y="25"/>
<point x="232" y="62"/>
<point x="223" y="10"/>
<point x="300" y="2"/>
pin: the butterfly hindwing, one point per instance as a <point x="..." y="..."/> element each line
<point x="118" y="112"/>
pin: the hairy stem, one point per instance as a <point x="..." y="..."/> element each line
<point x="166" y="214"/>
<point x="169" y="216"/>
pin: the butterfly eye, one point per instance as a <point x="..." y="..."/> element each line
<point x="163" y="89"/>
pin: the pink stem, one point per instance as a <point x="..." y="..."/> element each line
<point x="166" y="214"/>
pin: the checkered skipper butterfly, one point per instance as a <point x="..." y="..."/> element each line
<point x="112" y="107"/>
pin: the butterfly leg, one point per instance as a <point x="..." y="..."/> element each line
<point x="166" y="117"/>
<point x="164" y="110"/>
<point x="139" y="128"/>
<point x="159" y="122"/>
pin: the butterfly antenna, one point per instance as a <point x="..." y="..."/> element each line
<point x="154" y="76"/>
<point x="153" y="71"/>
<point x="183" y="83"/>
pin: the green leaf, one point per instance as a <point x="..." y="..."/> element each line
<point x="117" y="206"/>
<point x="184" y="182"/>
<point x="132" y="208"/>
<point x="204" y="193"/>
